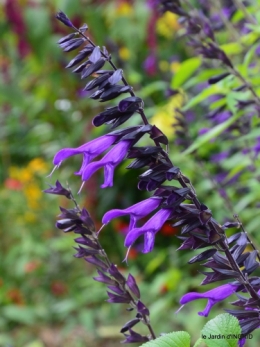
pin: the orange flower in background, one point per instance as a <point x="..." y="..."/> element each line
<point x="15" y="296"/>
<point x="164" y="289"/>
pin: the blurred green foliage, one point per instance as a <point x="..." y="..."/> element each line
<point x="47" y="297"/>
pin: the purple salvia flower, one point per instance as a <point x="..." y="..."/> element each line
<point x="149" y="229"/>
<point x="214" y="296"/>
<point x="61" y="16"/>
<point x="90" y="149"/>
<point x="137" y="211"/>
<point x="58" y="190"/>
<point x="109" y="162"/>
<point x="134" y="337"/>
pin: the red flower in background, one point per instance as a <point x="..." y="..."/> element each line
<point x="13" y="184"/>
<point x="58" y="288"/>
<point x="168" y="230"/>
<point x="31" y="266"/>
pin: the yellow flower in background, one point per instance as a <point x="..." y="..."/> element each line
<point x="22" y="174"/>
<point x="124" y="9"/>
<point x="167" y="24"/>
<point x="30" y="217"/>
<point x="27" y="177"/>
<point x="124" y="53"/>
<point x="38" y="165"/>
<point x="164" y="65"/>
<point x="174" y="66"/>
<point x="164" y="116"/>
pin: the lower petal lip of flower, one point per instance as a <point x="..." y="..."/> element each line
<point x="109" y="162"/>
<point x="153" y="225"/>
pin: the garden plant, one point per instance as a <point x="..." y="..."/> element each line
<point x="194" y="163"/>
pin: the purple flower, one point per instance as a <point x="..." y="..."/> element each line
<point x="137" y="211"/>
<point x="109" y="162"/>
<point x="58" y="190"/>
<point x="222" y="117"/>
<point x="216" y="158"/>
<point x="257" y="51"/>
<point x="257" y="147"/>
<point x="214" y="296"/>
<point x="149" y="229"/>
<point x="150" y="64"/>
<point x="90" y="149"/>
<point x="203" y="131"/>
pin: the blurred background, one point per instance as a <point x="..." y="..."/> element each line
<point x="47" y="297"/>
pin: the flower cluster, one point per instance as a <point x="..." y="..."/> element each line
<point x="120" y="289"/>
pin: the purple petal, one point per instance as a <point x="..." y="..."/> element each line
<point x="141" y="308"/>
<point x="214" y="296"/>
<point x="95" y="55"/>
<point x="116" y="77"/>
<point x="133" y="286"/>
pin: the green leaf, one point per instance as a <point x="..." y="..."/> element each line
<point x="249" y="38"/>
<point x="216" y="131"/>
<point x="18" y="314"/>
<point x="249" y="56"/>
<point x="222" y="331"/>
<point x="200" y="77"/>
<point x="198" y="342"/>
<point x="187" y="68"/>
<point x="175" y="339"/>
<point x="232" y="48"/>
<point x="36" y="343"/>
<point x="214" y="89"/>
